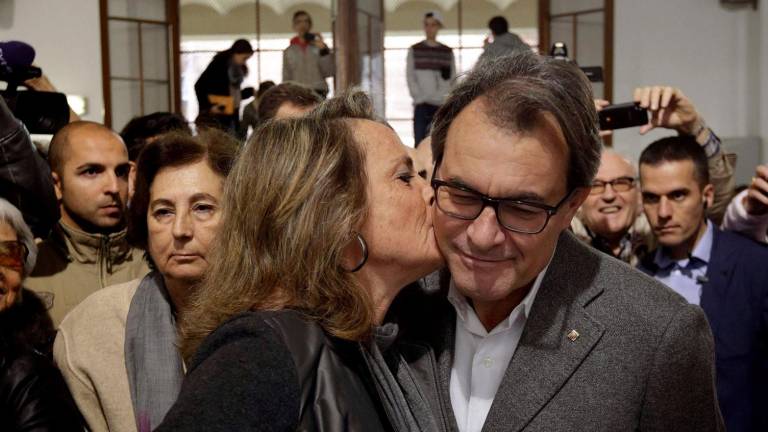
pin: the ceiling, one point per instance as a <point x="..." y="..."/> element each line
<point x="223" y="7"/>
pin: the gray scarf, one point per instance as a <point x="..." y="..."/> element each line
<point x="152" y="360"/>
<point x="406" y="414"/>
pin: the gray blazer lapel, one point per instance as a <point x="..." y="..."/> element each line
<point x="546" y="357"/>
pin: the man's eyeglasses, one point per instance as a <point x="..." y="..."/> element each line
<point x="515" y="215"/>
<point x="13" y="254"/>
<point x="621" y="184"/>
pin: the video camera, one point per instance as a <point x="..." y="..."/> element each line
<point x="41" y="112"/>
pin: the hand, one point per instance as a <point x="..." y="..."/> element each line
<point x="599" y="105"/>
<point x="42" y="84"/>
<point x="668" y="108"/>
<point x="318" y="41"/>
<point x="756" y="201"/>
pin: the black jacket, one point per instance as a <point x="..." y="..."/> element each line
<point x="33" y="396"/>
<point x="276" y="371"/>
<point x="25" y="178"/>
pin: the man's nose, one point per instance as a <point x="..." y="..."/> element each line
<point x="608" y="193"/>
<point x="665" y="208"/>
<point x="112" y="185"/>
<point x="485" y="232"/>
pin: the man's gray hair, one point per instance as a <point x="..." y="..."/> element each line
<point x="518" y="90"/>
<point x="12" y="216"/>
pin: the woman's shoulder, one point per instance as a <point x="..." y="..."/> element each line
<point x="243" y="366"/>
<point x="105" y="306"/>
<point x="95" y="329"/>
<point x="263" y="327"/>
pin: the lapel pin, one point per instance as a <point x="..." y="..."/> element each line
<point x="573" y="335"/>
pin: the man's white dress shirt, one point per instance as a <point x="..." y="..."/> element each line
<point x="481" y="357"/>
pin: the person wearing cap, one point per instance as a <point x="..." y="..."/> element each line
<point x="218" y="88"/>
<point x="430" y="70"/>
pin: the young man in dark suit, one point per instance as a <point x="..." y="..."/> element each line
<point x="528" y="328"/>
<point x="724" y="273"/>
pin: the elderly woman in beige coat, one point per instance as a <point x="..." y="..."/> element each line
<point x="117" y="349"/>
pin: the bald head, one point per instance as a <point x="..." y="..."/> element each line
<point x="90" y="168"/>
<point x="78" y="132"/>
<point x="614" y="202"/>
<point x="615" y="163"/>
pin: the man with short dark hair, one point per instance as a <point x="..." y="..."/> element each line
<point x="528" y="328"/>
<point x="287" y="100"/>
<point x="88" y="249"/>
<point x="501" y="41"/>
<point x="610" y="218"/>
<point x="724" y="273"/>
<point x="143" y="130"/>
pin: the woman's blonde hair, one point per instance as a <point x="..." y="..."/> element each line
<point x="292" y="204"/>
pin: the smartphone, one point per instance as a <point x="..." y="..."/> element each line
<point x="622" y="116"/>
<point x="309" y="37"/>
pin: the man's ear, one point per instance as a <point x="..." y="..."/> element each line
<point x="131" y="180"/>
<point x="57" y="184"/>
<point x="578" y="196"/>
<point x="708" y="196"/>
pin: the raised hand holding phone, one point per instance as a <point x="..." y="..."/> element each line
<point x="669" y="108"/>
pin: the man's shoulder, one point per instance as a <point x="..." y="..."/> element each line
<point x="742" y="249"/>
<point x="610" y="290"/>
<point x="51" y="259"/>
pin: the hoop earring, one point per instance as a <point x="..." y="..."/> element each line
<point x="364" y="247"/>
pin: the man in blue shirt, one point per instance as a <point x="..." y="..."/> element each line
<point x="726" y="274"/>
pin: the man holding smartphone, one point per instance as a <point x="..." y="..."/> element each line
<point x="610" y="218"/>
<point x="307" y="60"/>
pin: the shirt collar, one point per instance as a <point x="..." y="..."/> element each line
<point x="702" y="251"/>
<point x="467" y="315"/>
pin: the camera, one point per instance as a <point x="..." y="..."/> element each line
<point x="41" y="112"/>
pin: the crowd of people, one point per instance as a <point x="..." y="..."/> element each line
<point x="510" y="273"/>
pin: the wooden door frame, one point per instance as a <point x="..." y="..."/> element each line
<point x="174" y="62"/>
<point x="545" y="41"/>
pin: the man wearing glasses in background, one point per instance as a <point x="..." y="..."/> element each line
<point x="528" y="328"/>
<point x="610" y="218"/>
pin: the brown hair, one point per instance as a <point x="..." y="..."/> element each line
<point x="276" y="96"/>
<point x="518" y="90"/>
<point x="292" y="203"/>
<point x="175" y="149"/>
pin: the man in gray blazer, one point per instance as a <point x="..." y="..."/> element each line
<point x="527" y="328"/>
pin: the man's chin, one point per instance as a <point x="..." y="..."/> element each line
<point x="487" y="283"/>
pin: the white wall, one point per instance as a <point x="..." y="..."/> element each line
<point x="66" y="37"/>
<point x="718" y="57"/>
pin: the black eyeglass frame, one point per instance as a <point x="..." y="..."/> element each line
<point x="495" y="202"/>
<point x="604" y="184"/>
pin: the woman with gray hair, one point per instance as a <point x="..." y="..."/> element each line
<point x="32" y="392"/>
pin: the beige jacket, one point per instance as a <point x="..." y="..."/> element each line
<point x="71" y="265"/>
<point x="89" y="350"/>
